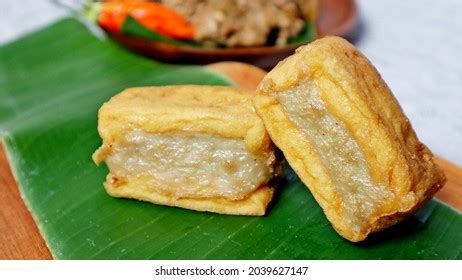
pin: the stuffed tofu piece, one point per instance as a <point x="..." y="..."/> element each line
<point x="345" y="135"/>
<point x="198" y="147"/>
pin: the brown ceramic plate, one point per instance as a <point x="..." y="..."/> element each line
<point x="337" y="17"/>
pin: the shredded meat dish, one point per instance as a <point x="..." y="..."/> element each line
<point x="246" y="23"/>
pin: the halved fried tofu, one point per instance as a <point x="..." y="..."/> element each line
<point x="197" y="147"/>
<point x="345" y="135"/>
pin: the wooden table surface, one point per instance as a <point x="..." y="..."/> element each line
<point x="21" y="239"/>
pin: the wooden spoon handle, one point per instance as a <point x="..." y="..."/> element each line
<point x="244" y="75"/>
<point x="451" y="193"/>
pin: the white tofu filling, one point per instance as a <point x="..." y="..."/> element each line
<point x="191" y="165"/>
<point x="339" y="152"/>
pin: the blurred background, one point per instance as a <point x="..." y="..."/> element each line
<point x="414" y="44"/>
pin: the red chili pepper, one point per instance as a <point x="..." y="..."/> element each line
<point x="154" y="16"/>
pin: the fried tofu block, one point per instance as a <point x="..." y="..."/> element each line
<point x="345" y="135"/>
<point x="197" y="147"/>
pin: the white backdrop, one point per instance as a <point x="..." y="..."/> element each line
<point x="416" y="45"/>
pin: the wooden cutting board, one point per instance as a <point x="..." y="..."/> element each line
<point x="21" y="239"/>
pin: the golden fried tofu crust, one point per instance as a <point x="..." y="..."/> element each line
<point x="182" y="110"/>
<point x="354" y="95"/>
<point x="218" y="110"/>
<point x="253" y="205"/>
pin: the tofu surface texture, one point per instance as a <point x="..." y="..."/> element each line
<point x="198" y="147"/>
<point x="345" y="135"/>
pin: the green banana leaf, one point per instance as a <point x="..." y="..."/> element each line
<point x="307" y="34"/>
<point x="52" y="83"/>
